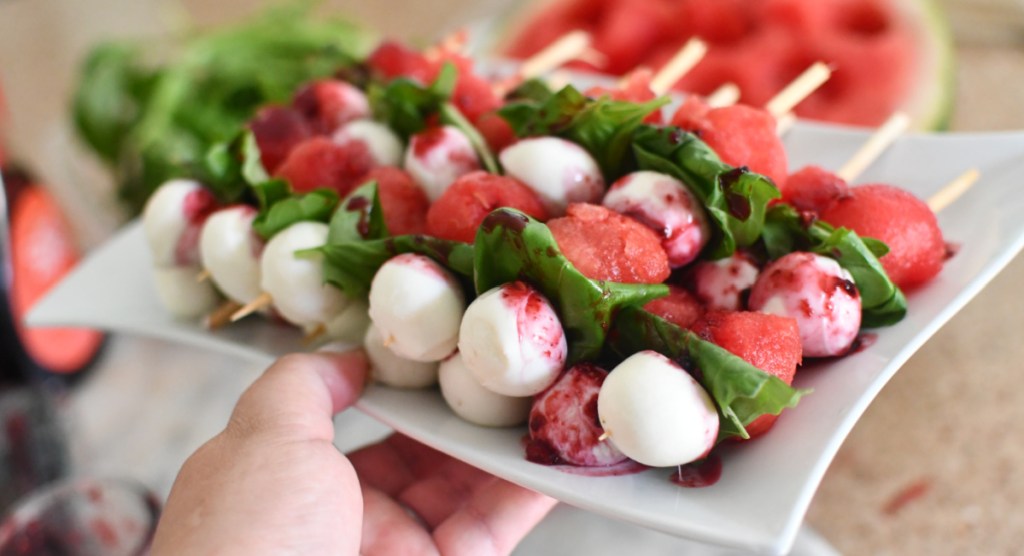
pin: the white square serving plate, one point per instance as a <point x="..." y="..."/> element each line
<point x="766" y="485"/>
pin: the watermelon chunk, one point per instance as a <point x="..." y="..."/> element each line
<point x="899" y="219"/>
<point x="469" y="199"/>
<point x="769" y="342"/>
<point x="605" y="245"/>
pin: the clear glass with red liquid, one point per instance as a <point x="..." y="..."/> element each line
<point x="82" y="517"/>
<point x="45" y="513"/>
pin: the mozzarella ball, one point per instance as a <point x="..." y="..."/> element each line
<point x="437" y="157"/>
<point x="476" y="404"/>
<point x="664" y="204"/>
<point x="296" y="284"/>
<point x="350" y="324"/>
<point x="560" y="172"/>
<point x="417" y="306"/>
<point x="394" y="370"/>
<point x="720" y="284"/>
<point x="384" y="146"/>
<point x="230" y="251"/>
<point x="181" y="294"/>
<point x="656" y="413"/>
<point x="818" y="293"/>
<point x="172" y="220"/>
<point x="512" y="341"/>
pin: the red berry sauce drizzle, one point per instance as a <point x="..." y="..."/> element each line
<point x="701" y="473"/>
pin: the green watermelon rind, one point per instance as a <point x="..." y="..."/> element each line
<point x="931" y="106"/>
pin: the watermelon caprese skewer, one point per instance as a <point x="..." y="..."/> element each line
<point x="524" y="282"/>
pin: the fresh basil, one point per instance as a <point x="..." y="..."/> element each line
<point x="735" y="199"/>
<point x="882" y="302"/>
<point x="358" y="217"/>
<point x="148" y="114"/>
<point x="278" y="212"/>
<point x="351" y="265"/>
<point x="512" y="246"/>
<point x="408" y="107"/>
<point x="230" y="168"/>
<point x="741" y="391"/>
<point x="603" y="126"/>
<point x="450" y="115"/>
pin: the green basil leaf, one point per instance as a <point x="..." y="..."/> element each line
<point x="882" y="303"/>
<point x="512" y="246"/>
<point x="150" y="115"/>
<point x="735" y="199"/>
<point x="603" y="126"/>
<point x="317" y="205"/>
<point x="230" y="168"/>
<point x="359" y="216"/>
<point x="106" y="103"/>
<point x="270" y="192"/>
<point x="407" y="106"/>
<point x="741" y="391"/>
<point x="534" y="90"/>
<point x="351" y="265"/>
<point x="252" y="170"/>
<point x="451" y="116"/>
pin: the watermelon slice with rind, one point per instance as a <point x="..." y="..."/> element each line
<point x="887" y="55"/>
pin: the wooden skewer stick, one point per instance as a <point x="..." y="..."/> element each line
<point x="203" y="276"/>
<point x="604" y="436"/>
<point x="784" y="122"/>
<point x="799" y="89"/>
<point x="313" y="335"/>
<point x="688" y="56"/>
<point x="726" y="94"/>
<point x="454" y="42"/>
<point x="556" y="54"/>
<point x="262" y="301"/>
<point x="593" y="57"/>
<point x="953" y="190"/>
<point x="874" y="146"/>
<point x="221" y="315"/>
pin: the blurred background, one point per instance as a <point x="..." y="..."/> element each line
<point x="931" y="468"/>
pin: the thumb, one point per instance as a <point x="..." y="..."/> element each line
<point x="298" y="396"/>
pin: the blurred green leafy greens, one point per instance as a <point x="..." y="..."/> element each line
<point x="148" y="119"/>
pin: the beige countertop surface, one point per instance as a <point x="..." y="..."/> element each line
<point x="933" y="467"/>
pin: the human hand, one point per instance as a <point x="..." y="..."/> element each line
<point x="273" y="483"/>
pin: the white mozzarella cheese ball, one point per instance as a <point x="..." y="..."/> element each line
<point x="417" y="305"/>
<point x="384" y="146"/>
<point x="350" y="324"/>
<point x="512" y="340"/>
<point x="656" y="413"/>
<point x="818" y="293"/>
<point x="230" y="251"/>
<point x="560" y="172"/>
<point x="476" y="404"/>
<point x="296" y="284"/>
<point x="172" y="220"/>
<point x="389" y="368"/>
<point x="437" y="157"/>
<point x="664" y="204"/>
<point x="181" y="294"/>
<point x="720" y="284"/>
